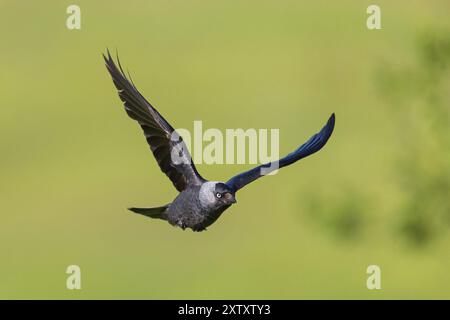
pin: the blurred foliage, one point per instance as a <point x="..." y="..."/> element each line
<point x="419" y="102"/>
<point x="420" y="99"/>
<point x="434" y="48"/>
<point x="346" y="219"/>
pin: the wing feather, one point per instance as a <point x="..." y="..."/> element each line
<point x="161" y="137"/>
<point x="314" y="144"/>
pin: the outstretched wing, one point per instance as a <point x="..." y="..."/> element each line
<point x="314" y="144"/>
<point x="167" y="146"/>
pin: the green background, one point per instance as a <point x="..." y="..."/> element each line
<point x="72" y="162"/>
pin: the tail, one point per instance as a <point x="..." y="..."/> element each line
<point x="156" y="213"/>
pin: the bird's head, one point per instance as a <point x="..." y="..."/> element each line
<point x="224" y="194"/>
<point x="216" y="195"/>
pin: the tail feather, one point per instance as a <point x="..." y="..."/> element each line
<point x="156" y="213"/>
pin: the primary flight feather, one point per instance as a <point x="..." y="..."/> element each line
<point x="200" y="202"/>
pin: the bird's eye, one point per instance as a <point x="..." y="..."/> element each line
<point x="218" y="195"/>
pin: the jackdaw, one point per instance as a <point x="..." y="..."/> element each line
<point x="200" y="202"/>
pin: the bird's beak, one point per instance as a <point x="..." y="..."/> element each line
<point x="230" y="198"/>
<point x="233" y="200"/>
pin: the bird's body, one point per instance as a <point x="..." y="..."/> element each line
<point x="188" y="210"/>
<point x="185" y="210"/>
<point x="200" y="202"/>
<point x="194" y="207"/>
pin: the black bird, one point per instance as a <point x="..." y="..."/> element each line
<point x="200" y="202"/>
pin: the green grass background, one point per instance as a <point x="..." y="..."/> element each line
<point x="71" y="161"/>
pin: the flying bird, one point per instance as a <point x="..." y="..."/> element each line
<point x="200" y="202"/>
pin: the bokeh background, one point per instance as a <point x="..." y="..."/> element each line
<point x="72" y="162"/>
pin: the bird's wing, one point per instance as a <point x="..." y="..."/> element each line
<point x="314" y="144"/>
<point x="167" y="146"/>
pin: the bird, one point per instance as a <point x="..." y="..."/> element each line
<point x="200" y="202"/>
